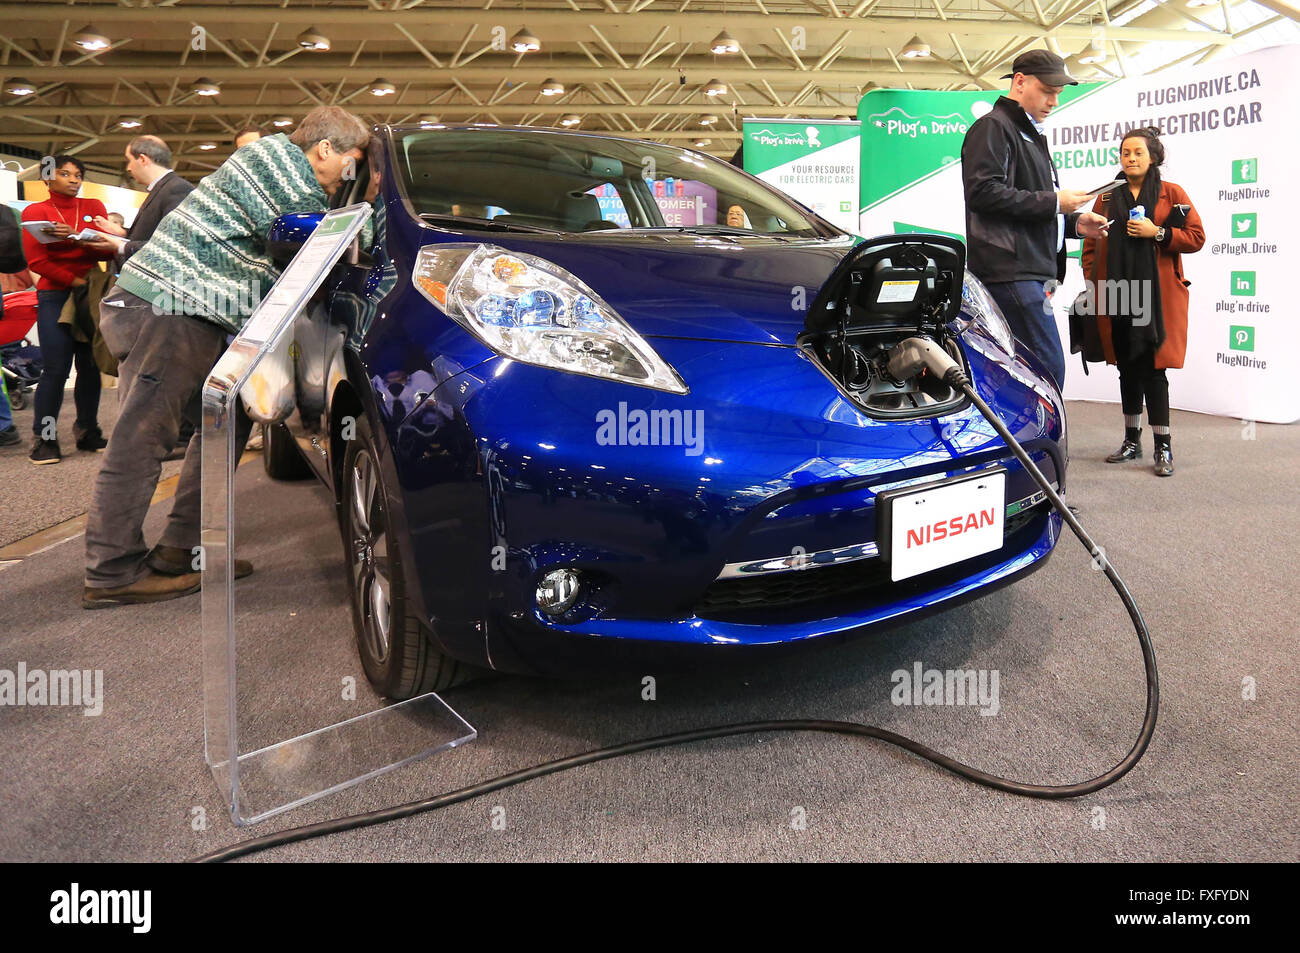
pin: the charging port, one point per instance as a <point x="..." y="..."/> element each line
<point x="886" y="290"/>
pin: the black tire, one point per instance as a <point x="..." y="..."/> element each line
<point x="281" y="456"/>
<point x="396" y="652"/>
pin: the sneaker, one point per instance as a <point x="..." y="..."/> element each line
<point x="255" y="439"/>
<point x="9" y="437"/>
<point x="90" y="441"/>
<point x="45" y="451"/>
<point x="153" y="587"/>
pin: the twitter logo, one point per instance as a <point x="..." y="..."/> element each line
<point x="1244" y="225"/>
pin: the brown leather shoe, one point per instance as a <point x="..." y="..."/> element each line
<point x="154" y="587"/>
<point x="177" y="561"/>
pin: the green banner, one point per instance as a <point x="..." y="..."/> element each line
<point x="815" y="163"/>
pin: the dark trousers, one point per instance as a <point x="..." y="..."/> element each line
<point x="164" y="360"/>
<point x="1024" y="304"/>
<point x="59" y="351"/>
<point x="1139" y="378"/>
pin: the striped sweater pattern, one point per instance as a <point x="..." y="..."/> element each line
<point x="208" y="256"/>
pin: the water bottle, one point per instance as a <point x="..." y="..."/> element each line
<point x="1137" y="211"/>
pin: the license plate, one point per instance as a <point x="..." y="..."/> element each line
<point x="943" y="523"/>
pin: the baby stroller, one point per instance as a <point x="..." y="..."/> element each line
<point x="20" y="360"/>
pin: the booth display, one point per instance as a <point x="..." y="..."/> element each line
<point x="1229" y="129"/>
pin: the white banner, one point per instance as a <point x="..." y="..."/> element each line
<point x="1230" y="134"/>
<point x="816" y="163"/>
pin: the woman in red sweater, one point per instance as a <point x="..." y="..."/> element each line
<point x="60" y="267"/>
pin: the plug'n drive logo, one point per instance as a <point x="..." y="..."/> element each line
<point x="103" y="907"/>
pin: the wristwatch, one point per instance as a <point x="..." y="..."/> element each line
<point x="1160" y="235"/>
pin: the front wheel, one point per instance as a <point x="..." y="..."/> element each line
<point x="395" y="649"/>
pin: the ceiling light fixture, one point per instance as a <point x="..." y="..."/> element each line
<point x="19" y="87"/>
<point x="724" y="43"/>
<point x="313" y="40"/>
<point x="708" y="119"/>
<point x="715" y="88"/>
<point x="205" y="87"/>
<point x="1095" y="53"/>
<point x="90" y="40"/>
<point x="130" y="123"/>
<point x="281" y="121"/>
<point x="916" y="48"/>
<point x="207" y="146"/>
<point x="552" y="88"/>
<point x="570" y="119"/>
<point x="525" y="42"/>
<point x="382" y="87"/>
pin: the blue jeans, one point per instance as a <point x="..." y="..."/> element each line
<point x="6" y="413"/>
<point x="58" y="353"/>
<point x="1024" y="304"/>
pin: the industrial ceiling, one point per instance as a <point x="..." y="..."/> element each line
<point x="644" y="68"/>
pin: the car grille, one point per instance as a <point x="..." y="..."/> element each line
<point x="826" y="591"/>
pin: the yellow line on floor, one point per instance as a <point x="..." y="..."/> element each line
<point x="52" y="536"/>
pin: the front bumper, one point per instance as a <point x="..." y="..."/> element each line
<point x="784" y="467"/>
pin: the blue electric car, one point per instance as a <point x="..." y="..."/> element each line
<point x="587" y="399"/>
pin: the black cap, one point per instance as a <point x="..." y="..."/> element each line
<point x="1044" y="64"/>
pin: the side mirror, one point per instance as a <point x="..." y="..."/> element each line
<point x="288" y="232"/>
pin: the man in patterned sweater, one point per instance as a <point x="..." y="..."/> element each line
<point x="198" y="279"/>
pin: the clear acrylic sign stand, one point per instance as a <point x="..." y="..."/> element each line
<point x="281" y="775"/>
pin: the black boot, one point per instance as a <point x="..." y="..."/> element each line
<point x="1164" y="456"/>
<point x="1130" y="449"/>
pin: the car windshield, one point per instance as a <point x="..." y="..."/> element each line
<point x="568" y="182"/>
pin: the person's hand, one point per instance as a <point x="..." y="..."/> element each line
<point x="108" y="225"/>
<point x="78" y="282"/>
<point x="59" y="230"/>
<point x="104" y="246"/>
<point x="1072" y="200"/>
<point x="1092" y="225"/>
<point x="1141" y="228"/>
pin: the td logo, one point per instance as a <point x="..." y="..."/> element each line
<point x="1244" y="225"/>
<point x="1243" y="283"/>
<point x="1241" y="338"/>
<point x="1245" y="170"/>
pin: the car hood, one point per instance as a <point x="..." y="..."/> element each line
<point x="718" y="287"/>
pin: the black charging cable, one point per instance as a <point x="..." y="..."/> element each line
<point x="939" y="362"/>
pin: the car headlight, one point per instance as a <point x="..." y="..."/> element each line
<point x="532" y="310"/>
<point x="987" y="316"/>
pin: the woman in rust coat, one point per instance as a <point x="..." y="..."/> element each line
<point x="1146" y="333"/>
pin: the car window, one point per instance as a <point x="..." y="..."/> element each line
<point x="579" y="183"/>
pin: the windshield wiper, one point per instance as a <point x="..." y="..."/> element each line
<point x="713" y="230"/>
<point x="473" y="221"/>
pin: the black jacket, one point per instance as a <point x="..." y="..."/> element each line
<point x="11" y="245"/>
<point x="166" y="194"/>
<point x="1011" y="207"/>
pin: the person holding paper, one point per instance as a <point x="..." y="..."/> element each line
<point x="149" y="162"/>
<point x="61" y="265"/>
<point x="1017" y="219"/>
<point x="194" y="283"/>
<point x="1140" y="295"/>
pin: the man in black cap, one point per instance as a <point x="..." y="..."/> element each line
<point x="1017" y="217"/>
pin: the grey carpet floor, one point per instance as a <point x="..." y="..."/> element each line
<point x="1210" y="555"/>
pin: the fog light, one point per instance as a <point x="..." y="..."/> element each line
<point x="558" y="591"/>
